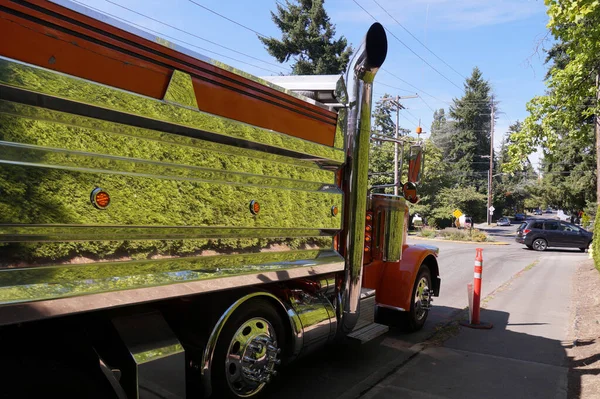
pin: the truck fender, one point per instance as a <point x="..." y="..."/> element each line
<point x="398" y="278"/>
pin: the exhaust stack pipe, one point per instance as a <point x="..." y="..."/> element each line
<point x="361" y="72"/>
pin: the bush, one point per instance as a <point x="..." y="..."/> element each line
<point x="427" y="232"/>
<point x="464" y="235"/>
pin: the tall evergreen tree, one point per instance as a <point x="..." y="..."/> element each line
<point x="472" y="113"/>
<point x="442" y="131"/>
<point x="383" y="123"/>
<point x="307" y="38"/>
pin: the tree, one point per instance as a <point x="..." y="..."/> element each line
<point x="383" y="124"/>
<point x="568" y="108"/>
<point x="381" y="156"/>
<point x="472" y="137"/>
<point x="442" y="131"/>
<point x="512" y="189"/>
<point x="308" y="38"/>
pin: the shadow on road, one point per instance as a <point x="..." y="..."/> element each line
<point x="534" y="364"/>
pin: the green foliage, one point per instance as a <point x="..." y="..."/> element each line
<point x="383" y="124"/>
<point x="464" y="235"/>
<point x="514" y="191"/>
<point x="308" y="38"/>
<point x="381" y="153"/>
<point x="565" y="113"/>
<point x="585" y="220"/>
<point x="427" y="232"/>
<point x="155" y="181"/>
<point x="467" y="199"/>
<point x="472" y="114"/>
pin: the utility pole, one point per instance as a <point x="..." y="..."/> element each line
<point x="396" y="179"/>
<point x="489" y="200"/>
<point x="396" y="103"/>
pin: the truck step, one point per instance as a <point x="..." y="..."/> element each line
<point x="368" y="333"/>
<point x="367" y="308"/>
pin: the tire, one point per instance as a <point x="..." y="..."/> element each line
<point x="586" y="248"/>
<point x="251" y="330"/>
<point x="539" y="244"/>
<point x="415" y="318"/>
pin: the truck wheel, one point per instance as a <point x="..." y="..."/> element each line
<point x="420" y="300"/>
<point x="246" y="354"/>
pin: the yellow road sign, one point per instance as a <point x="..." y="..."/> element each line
<point x="457" y="213"/>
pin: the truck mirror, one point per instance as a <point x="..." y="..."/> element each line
<point x="409" y="191"/>
<point x="415" y="163"/>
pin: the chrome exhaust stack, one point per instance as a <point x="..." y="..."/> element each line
<point x="361" y="72"/>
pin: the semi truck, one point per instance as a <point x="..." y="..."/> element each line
<point x="171" y="226"/>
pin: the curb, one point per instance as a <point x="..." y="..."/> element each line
<point x="461" y="242"/>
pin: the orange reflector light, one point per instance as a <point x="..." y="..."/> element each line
<point x="334" y="210"/>
<point x="367" y="248"/>
<point x="254" y="207"/>
<point x="100" y="198"/>
<point x="369" y="217"/>
<point x="368" y="238"/>
<point x="368" y="227"/>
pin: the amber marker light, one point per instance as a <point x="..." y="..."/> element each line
<point x="100" y="198"/>
<point x="334" y="210"/>
<point x="254" y="207"/>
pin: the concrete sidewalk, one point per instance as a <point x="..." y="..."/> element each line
<point x="523" y="356"/>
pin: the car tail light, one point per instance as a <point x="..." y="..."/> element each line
<point x="525" y="231"/>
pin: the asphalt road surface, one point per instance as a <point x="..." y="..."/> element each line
<point x="332" y="372"/>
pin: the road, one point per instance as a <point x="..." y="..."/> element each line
<point x="330" y="373"/>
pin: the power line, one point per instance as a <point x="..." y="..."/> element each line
<point x="413" y="86"/>
<point x="194" y="35"/>
<point x="425" y="102"/>
<point x="394" y="87"/>
<point x="411" y="114"/>
<point x="228" y="19"/>
<point x="172" y="38"/>
<point x="405" y="45"/>
<point x="421" y="43"/>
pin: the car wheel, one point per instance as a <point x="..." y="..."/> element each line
<point x="539" y="244"/>
<point x="588" y="247"/>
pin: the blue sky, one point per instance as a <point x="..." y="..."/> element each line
<point x="499" y="36"/>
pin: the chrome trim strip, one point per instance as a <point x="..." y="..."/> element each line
<point x="359" y="80"/>
<point x="19" y="285"/>
<point x="58" y="232"/>
<point x="81" y="133"/>
<point x="209" y="350"/>
<point x="23" y="76"/>
<point x="30" y="311"/>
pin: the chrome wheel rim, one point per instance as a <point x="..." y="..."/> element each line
<point x="539" y="245"/>
<point x="422" y="298"/>
<point x="251" y="357"/>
